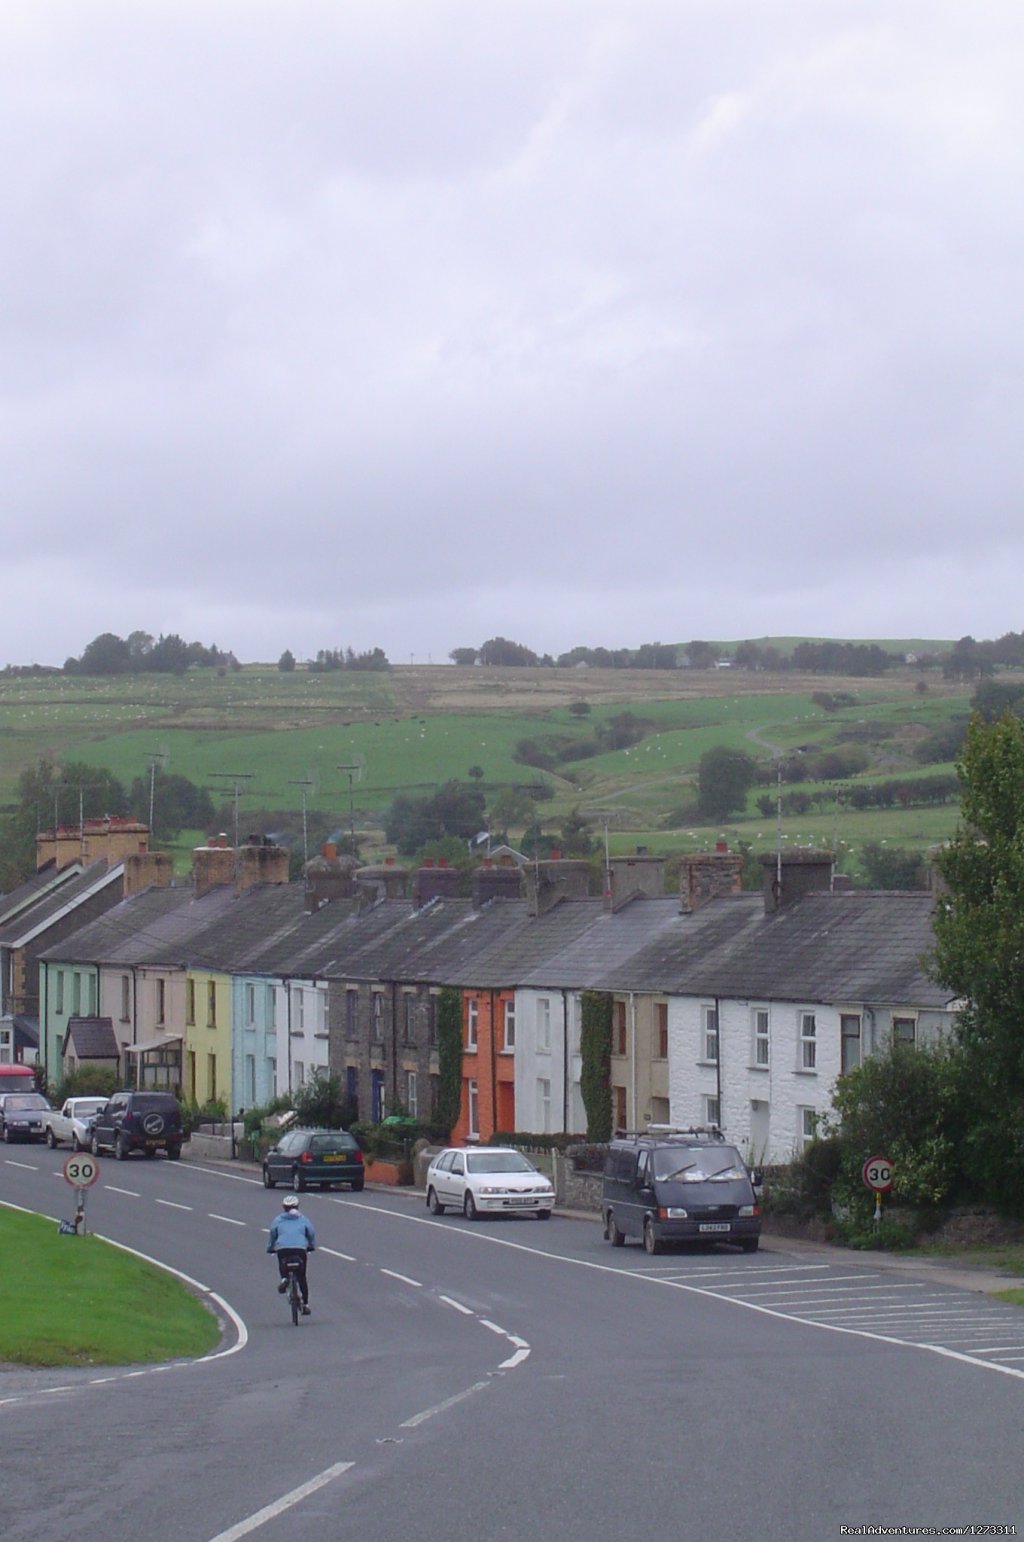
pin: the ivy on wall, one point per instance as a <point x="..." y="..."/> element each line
<point x="596" y="1058"/>
<point x="449" y="1057"/>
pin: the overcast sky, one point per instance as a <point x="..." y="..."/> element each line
<point x="406" y="323"/>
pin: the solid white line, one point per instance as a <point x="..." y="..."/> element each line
<point x="172" y="1206"/>
<point x="429" y="1413"/>
<point x="227" y="1219"/>
<point x="28" y="1167"/>
<point x="286" y="1502"/>
<point x="334" y="1253"/>
<point x="514" y="1360"/>
<point x="393" y="1274"/>
<point x="112" y="1189"/>
<point x="467" y="1311"/>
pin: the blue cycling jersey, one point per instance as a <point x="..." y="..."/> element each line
<point x="291" y="1230"/>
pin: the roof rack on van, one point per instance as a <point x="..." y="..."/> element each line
<point x="671" y="1131"/>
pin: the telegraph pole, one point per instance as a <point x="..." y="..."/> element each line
<point x="304" y="783"/>
<point x="351" y="806"/>
<point x="237" y="778"/>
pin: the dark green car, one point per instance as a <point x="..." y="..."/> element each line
<point x="304" y="1157"/>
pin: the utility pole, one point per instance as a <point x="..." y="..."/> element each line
<point x="351" y="806"/>
<point x="156" y="757"/>
<point x="304" y="783"/>
<point x="237" y="778"/>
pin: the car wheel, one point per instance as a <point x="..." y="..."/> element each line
<point x="298" y="1181"/>
<point x="357" y="1187"/>
<point x="543" y="1215"/>
<point x="268" y="1181"/>
<point x="94" y="1144"/>
<point x="434" y="1205"/>
<point x="173" y="1152"/>
<point x="8" y="1137"/>
<point x="469" y="1209"/>
<point x="51" y="1139"/>
<point x="749" y="1244"/>
<point x="651" y="1242"/>
<point x="612" y="1232"/>
<point x="76" y="1144"/>
<point x="121" y="1148"/>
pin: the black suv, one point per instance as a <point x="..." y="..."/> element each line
<point x="668" y="1185"/>
<point x="138" y="1121"/>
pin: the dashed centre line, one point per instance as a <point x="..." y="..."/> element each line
<point x="227" y="1219"/>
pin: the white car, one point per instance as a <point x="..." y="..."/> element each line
<point x="486" y="1180"/>
<point x="72" y="1122"/>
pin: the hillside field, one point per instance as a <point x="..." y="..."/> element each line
<point x="414" y="727"/>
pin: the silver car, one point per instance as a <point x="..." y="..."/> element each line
<point x="487" y="1180"/>
<point x="22" y="1115"/>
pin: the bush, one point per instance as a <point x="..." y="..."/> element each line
<point x="98" y="1081"/>
<point x="527" y="1141"/>
<point x="321" y="1104"/>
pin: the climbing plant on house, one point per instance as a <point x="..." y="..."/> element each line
<point x="449" y="1056"/>
<point x="596" y="1062"/>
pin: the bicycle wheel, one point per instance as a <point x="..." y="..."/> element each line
<point x="294" y="1298"/>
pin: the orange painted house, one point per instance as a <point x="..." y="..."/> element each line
<point x="488" y="1065"/>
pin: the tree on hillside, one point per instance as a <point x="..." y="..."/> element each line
<point x="48" y="791"/>
<point x="286" y="663"/>
<point x="724" y="778"/>
<point x="499" y="650"/>
<point x="453" y="810"/>
<point x="178" y="804"/>
<point x="463" y="656"/>
<point x="979" y="932"/>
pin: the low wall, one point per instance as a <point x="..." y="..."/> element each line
<point x="204" y="1146"/>
<point x="575" y="1190"/>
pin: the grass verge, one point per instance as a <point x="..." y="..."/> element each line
<point x="80" y="1301"/>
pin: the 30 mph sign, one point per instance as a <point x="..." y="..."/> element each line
<point x="877" y="1174"/>
<point x="81" y="1170"/>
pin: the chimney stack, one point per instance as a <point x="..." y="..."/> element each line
<point x="147" y="870"/>
<point x="496" y="880"/>
<point x="382" y="880"/>
<point x="548" y="883"/>
<point x="630" y="876"/>
<point x="791" y="875"/>
<point x="434" y="880"/>
<point x="709" y="875"/>
<point x="328" y="877"/>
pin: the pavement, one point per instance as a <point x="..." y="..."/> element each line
<point x="945" y="1270"/>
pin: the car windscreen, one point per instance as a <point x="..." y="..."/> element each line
<point x="497" y="1162"/>
<point x="87" y="1106"/>
<point x="16" y="1101"/>
<point x="158" y="1102"/>
<point x="323" y="1143"/>
<point x="698" y="1164"/>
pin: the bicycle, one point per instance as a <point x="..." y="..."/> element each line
<point x="294" y="1294"/>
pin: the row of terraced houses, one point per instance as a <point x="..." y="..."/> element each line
<point x="729" y="1006"/>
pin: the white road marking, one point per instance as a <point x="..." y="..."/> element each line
<point x="227" y="1219"/>
<point x="485" y="1322"/>
<point x="403" y="1277"/>
<point x="467" y="1311"/>
<point x="112" y="1189"/>
<point x="429" y="1413"/>
<point x="333" y="1252"/>
<point x="514" y="1360"/>
<point x="286" y="1502"/>
<point x="172" y="1206"/>
<point x="28" y="1167"/>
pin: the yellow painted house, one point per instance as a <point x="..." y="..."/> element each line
<point x="206" y="1060"/>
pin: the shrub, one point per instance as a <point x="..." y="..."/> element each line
<point x="98" y="1081"/>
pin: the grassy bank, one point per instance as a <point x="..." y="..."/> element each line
<point x="84" y="1302"/>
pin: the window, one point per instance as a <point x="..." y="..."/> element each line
<point x="76" y="994"/>
<point x="161" y="1000"/>
<point x="272" y="1075"/>
<point x="710" y="1019"/>
<point x="619" y="1029"/>
<point x="904" y="1030"/>
<point x="60" y="990"/>
<point x="410" y="1093"/>
<point x="509" y="1009"/>
<point x="661" y="1024"/>
<point x="473" y="1106"/>
<point x="298" y="1072"/>
<point x="432" y="1021"/>
<point x="271" y="1007"/>
<point x="712" y="1110"/>
<point x="91" y="992"/>
<point x="298" y="1010"/>
<point x="544" y="1103"/>
<point x="321" y="1012"/>
<point x="250" y="1005"/>
<point x="250" y="1078"/>
<point x="761" y="1041"/>
<point x="619" y="1105"/>
<point x="472" y="1022"/>
<point x="378" y="1016"/>
<point x="849" y="1038"/>
<point x="807" y="1127"/>
<point x="211" y="1076"/>
<point x="544" y="1025"/>
<point x="190" y="1001"/>
<point x="409" y="1018"/>
<point x="351" y="1014"/>
<point x="211" y="1004"/>
<point x="808" y="1041"/>
<point x="126" y="998"/>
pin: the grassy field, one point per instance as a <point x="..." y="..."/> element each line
<point x="412" y="728"/>
<point x="85" y="1302"/>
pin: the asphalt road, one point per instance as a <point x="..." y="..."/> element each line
<point x="509" y="1379"/>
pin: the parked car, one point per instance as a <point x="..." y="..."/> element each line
<point x="21" y="1115"/>
<point x="303" y="1157"/>
<point x="679" y="1186"/>
<point x="485" y="1181"/>
<point x="138" y="1121"/>
<point x="72" y="1122"/>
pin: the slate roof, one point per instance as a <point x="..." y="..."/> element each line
<point x="154" y="926"/>
<point x="45" y="878"/>
<point x="92" y="1038"/>
<point x="53" y="903"/>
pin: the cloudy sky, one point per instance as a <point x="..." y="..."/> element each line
<point x="407" y="323"/>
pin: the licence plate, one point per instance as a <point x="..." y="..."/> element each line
<point x="714" y="1226"/>
<point x="520" y="1201"/>
<point x="336" y="1156"/>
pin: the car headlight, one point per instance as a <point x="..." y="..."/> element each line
<point x="746" y="1210"/>
<point x="676" y="1213"/>
<point x="491" y="1188"/>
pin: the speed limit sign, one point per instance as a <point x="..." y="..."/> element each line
<point x="81" y="1170"/>
<point x="877" y="1174"/>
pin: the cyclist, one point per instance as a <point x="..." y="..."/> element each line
<point x="292" y="1237"/>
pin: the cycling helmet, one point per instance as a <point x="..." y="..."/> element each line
<point x="290" y="1202"/>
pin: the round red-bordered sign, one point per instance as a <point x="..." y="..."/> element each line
<point x="81" y="1170"/>
<point x="877" y="1174"/>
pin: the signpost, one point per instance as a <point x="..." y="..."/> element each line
<point x="80" y="1170"/>
<point x="877" y="1174"/>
